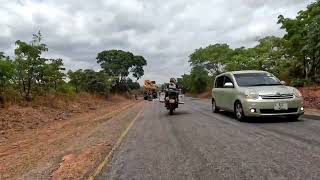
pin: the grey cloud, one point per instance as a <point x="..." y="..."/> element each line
<point x="163" y="31"/>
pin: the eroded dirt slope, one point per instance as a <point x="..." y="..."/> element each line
<point x="68" y="146"/>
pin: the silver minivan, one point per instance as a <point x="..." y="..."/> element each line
<point x="255" y="94"/>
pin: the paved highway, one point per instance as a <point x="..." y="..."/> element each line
<point x="194" y="143"/>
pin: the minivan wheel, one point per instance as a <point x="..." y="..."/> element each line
<point x="238" y="110"/>
<point x="215" y="109"/>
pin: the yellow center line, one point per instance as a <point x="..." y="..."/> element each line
<point x="118" y="143"/>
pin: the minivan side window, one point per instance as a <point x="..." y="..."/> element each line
<point x="219" y="82"/>
<point x="227" y="79"/>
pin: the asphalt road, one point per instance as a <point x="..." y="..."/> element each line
<point x="197" y="144"/>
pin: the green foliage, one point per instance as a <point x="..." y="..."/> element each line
<point x="77" y="79"/>
<point x="300" y="82"/>
<point x="32" y="75"/>
<point x="30" y="64"/>
<point x="296" y="55"/>
<point x="132" y="85"/>
<point x="53" y="74"/>
<point x="7" y="72"/>
<point x="302" y="41"/>
<point x="66" y="88"/>
<point x="267" y="55"/>
<point x="90" y="81"/>
<point x="185" y="82"/>
<point x="213" y="57"/>
<point x="120" y="64"/>
<point x="198" y="79"/>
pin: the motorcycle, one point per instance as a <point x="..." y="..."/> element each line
<point x="172" y="99"/>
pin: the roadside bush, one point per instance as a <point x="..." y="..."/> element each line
<point x="301" y="83"/>
<point x="67" y="89"/>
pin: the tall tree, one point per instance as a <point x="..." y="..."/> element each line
<point x="213" y="57"/>
<point x="198" y="79"/>
<point x="300" y="36"/>
<point x="77" y="79"/>
<point x="7" y="72"/>
<point x="29" y="63"/>
<point x="120" y="63"/>
<point x="53" y="73"/>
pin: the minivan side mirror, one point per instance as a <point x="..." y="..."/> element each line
<point x="228" y="85"/>
<point x="283" y="82"/>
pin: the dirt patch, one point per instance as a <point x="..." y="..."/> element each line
<point x="48" y="109"/>
<point x="311" y="97"/>
<point x="43" y="142"/>
<point x="75" y="166"/>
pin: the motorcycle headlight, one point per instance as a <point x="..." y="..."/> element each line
<point x="296" y="92"/>
<point x="251" y="94"/>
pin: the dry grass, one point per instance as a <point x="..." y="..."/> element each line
<point x="44" y="109"/>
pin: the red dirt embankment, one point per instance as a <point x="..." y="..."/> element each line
<point x="44" y="110"/>
<point x="311" y="97"/>
<point x="59" y="137"/>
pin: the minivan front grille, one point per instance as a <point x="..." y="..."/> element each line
<point x="272" y="111"/>
<point x="280" y="96"/>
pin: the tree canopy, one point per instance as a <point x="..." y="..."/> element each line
<point x="295" y="57"/>
<point x="29" y="74"/>
<point x="121" y="64"/>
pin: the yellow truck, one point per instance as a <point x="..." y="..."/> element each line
<point x="150" y="90"/>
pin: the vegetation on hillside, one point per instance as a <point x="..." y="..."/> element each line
<point x="295" y="57"/>
<point x="28" y="74"/>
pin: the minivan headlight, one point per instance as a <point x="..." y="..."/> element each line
<point x="296" y="92"/>
<point x="251" y="94"/>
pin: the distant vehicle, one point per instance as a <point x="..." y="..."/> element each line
<point x="150" y="90"/>
<point x="255" y="94"/>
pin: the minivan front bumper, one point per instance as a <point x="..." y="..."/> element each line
<point x="266" y="107"/>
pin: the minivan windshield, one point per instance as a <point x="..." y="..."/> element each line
<point x="256" y="79"/>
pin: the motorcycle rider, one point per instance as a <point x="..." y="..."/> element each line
<point x="172" y="84"/>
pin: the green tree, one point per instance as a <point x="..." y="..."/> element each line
<point x="77" y="79"/>
<point x="132" y="85"/>
<point x="53" y="73"/>
<point x="91" y="81"/>
<point x="120" y="64"/>
<point x="242" y="59"/>
<point x="312" y="48"/>
<point x="97" y="82"/>
<point x="301" y="40"/>
<point x="213" y="58"/>
<point x="29" y="64"/>
<point x="185" y="82"/>
<point x="7" y="72"/>
<point x="272" y="56"/>
<point x="198" y="79"/>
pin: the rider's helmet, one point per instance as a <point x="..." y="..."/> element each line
<point x="173" y="80"/>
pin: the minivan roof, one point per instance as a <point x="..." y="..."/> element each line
<point x="243" y="72"/>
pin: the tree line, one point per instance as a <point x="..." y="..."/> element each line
<point x="295" y="57"/>
<point x="29" y="74"/>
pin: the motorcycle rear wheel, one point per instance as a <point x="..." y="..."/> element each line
<point x="171" y="112"/>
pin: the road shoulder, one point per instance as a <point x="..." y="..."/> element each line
<point x="71" y="149"/>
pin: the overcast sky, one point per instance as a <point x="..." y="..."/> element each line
<point x="165" y="32"/>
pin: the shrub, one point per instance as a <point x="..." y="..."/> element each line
<point x="301" y="83"/>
